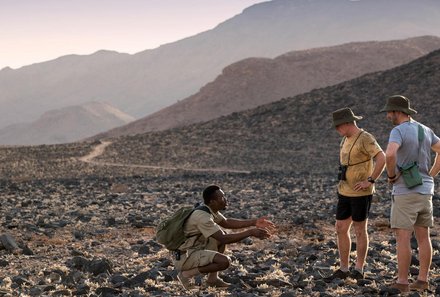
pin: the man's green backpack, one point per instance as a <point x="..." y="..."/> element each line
<point x="169" y="231"/>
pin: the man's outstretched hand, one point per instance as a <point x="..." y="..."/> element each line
<point x="264" y="223"/>
<point x="261" y="233"/>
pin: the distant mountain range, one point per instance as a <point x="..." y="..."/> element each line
<point x="64" y="125"/>
<point x="293" y="134"/>
<point x="143" y="83"/>
<point x="256" y="81"/>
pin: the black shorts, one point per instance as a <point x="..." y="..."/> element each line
<point x="358" y="208"/>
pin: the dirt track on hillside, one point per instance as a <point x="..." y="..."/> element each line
<point x="100" y="149"/>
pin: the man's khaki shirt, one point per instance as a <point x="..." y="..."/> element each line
<point x="362" y="152"/>
<point x="199" y="227"/>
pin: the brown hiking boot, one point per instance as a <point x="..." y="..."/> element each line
<point x="337" y="274"/>
<point x="356" y="274"/>
<point x="419" y="286"/>
<point x="403" y="288"/>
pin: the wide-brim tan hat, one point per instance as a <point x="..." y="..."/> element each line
<point x="398" y="103"/>
<point x="344" y="115"/>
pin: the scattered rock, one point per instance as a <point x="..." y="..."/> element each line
<point x="8" y="242"/>
<point x="74" y="251"/>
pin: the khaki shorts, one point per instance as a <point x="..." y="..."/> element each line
<point x="197" y="257"/>
<point x="411" y="210"/>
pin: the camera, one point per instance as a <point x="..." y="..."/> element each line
<point x="342" y="173"/>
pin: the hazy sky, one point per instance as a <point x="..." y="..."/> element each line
<point x="39" y="30"/>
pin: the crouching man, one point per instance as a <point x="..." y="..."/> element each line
<point x="203" y="251"/>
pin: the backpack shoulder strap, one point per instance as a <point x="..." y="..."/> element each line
<point x="203" y="207"/>
<point x="197" y="207"/>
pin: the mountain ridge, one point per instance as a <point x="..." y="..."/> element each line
<point x="256" y="81"/>
<point x="143" y="83"/>
<point x="65" y="125"/>
<point x="292" y="134"/>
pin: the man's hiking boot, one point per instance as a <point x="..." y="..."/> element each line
<point x="403" y="288"/>
<point x="218" y="283"/>
<point x="356" y="274"/>
<point x="419" y="286"/>
<point x="184" y="281"/>
<point x="337" y="274"/>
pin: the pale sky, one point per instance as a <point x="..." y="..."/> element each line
<point x="33" y="31"/>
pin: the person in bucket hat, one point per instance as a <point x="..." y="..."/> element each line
<point x="398" y="103"/>
<point x="362" y="161"/>
<point x="411" y="208"/>
<point x="344" y="115"/>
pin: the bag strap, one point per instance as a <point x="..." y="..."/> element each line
<point x="349" y="152"/>
<point x="420" y="134"/>
<point x="359" y="162"/>
<point x="197" y="206"/>
<point x="420" y="137"/>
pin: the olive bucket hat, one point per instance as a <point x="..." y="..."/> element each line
<point x="344" y="115"/>
<point x="398" y="103"/>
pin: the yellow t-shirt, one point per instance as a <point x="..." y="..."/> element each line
<point x="357" y="152"/>
<point x="199" y="227"/>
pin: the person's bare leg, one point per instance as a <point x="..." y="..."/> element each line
<point x="213" y="276"/>
<point x="425" y="251"/>
<point x="403" y="238"/>
<point x="344" y="242"/>
<point x="362" y="242"/>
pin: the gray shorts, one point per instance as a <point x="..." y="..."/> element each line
<point x="411" y="210"/>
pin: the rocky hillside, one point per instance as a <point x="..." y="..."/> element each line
<point x="66" y="124"/>
<point x="292" y="134"/>
<point x="257" y="81"/>
<point x="143" y="83"/>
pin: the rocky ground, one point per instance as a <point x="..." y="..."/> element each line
<point x="94" y="236"/>
<point x="72" y="227"/>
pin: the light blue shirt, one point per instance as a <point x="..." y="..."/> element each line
<point x="406" y="135"/>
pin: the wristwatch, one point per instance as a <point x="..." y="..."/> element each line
<point x="370" y="179"/>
